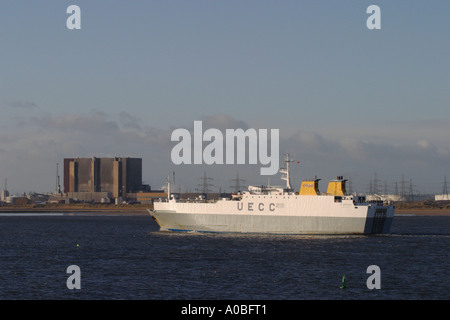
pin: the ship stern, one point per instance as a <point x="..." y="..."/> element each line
<point x="379" y="219"/>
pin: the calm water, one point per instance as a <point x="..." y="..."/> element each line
<point x="125" y="257"/>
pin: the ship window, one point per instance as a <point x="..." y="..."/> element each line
<point x="337" y="199"/>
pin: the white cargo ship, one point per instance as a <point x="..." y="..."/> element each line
<point x="278" y="210"/>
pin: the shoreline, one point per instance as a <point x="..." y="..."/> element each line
<point x="74" y="209"/>
<point x="142" y="210"/>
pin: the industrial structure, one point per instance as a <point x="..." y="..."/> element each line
<point x="100" y="178"/>
<point x="4" y="193"/>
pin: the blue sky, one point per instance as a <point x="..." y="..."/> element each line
<point x="347" y="100"/>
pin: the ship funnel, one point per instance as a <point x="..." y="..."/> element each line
<point x="337" y="187"/>
<point x="310" y="187"/>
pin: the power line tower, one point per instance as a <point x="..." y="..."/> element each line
<point x="411" y="191"/>
<point x="204" y="185"/>
<point x="375" y="184"/>
<point x="403" y="187"/>
<point x="444" y="189"/>
<point x="237" y="183"/>
<point x="58" y="185"/>
<point x="385" y="187"/>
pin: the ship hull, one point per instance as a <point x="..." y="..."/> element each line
<point x="271" y="225"/>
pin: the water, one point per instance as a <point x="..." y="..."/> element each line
<point x="125" y="257"/>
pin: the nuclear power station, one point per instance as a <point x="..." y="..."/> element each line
<point x="98" y="178"/>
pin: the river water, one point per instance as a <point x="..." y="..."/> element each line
<point x="126" y="257"/>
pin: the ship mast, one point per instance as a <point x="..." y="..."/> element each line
<point x="285" y="171"/>
<point x="168" y="188"/>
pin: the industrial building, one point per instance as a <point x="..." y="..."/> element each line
<point x="98" y="178"/>
<point x="4" y="194"/>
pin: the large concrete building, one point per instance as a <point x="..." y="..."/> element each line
<point x="115" y="177"/>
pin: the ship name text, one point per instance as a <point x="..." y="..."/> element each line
<point x="251" y="206"/>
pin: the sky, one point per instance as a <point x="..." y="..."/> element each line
<point x="347" y="100"/>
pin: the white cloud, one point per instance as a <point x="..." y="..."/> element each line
<point x="423" y="143"/>
<point x="223" y="121"/>
<point x="129" y="121"/>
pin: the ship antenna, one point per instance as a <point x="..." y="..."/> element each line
<point x="285" y="171"/>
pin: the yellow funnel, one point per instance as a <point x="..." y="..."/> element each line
<point x="310" y="188"/>
<point x="337" y="187"/>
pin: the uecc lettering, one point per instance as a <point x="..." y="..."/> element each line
<point x="256" y="207"/>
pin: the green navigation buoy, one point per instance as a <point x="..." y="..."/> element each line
<point x="343" y="283"/>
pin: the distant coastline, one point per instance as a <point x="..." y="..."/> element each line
<point x="423" y="212"/>
<point x="141" y="209"/>
<point x="423" y="208"/>
<point x="135" y="209"/>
